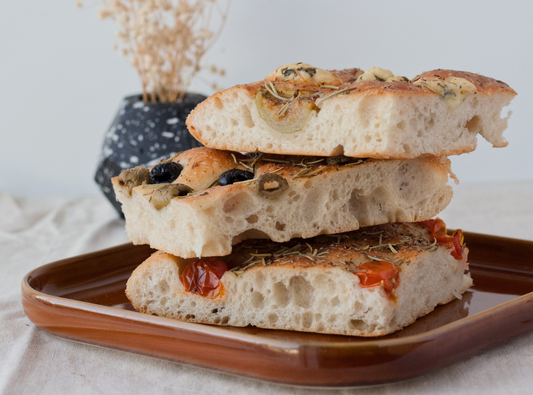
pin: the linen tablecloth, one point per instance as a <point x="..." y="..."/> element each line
<point x="35" y="231"/>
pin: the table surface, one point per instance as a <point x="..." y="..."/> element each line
<point x="37" y="231"/>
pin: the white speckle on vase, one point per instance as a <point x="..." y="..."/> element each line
<point x="114" y="138"/>
<point x="119" y="126"/>
<point x="134" y="159"/>
<point x="133" y="142"/>
<point x="110" y="132"/>
<point x="172" y="121"/>
<point x="140" y="137"/>
<point x="146" y="109"/>
<point x="177" y="139"/>
<point x="124" y="165"/>
<point x="139" y="104"/>
<point x="167" y="134"/>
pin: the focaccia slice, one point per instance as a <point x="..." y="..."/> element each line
<point x="370" y="282"/>
<point x="285" y="197"/>
<point x="304" y="110"/>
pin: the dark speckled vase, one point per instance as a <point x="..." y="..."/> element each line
<point x="141" y="134"/>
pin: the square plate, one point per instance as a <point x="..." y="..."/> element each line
<point x="82" y="299"/>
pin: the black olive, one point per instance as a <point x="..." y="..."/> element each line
<point x="165" y="172"/>
<point x="234" y="175"/>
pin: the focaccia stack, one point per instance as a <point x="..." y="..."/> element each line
<point x="310" y="208"/>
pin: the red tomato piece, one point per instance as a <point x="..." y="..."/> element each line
<point x="437" y="229"/>
<point x="203" y="276"/>
<point x="379" y="273"/>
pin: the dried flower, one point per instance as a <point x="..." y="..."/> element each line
<point x="165" y="41"/>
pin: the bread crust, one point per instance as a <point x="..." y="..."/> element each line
<point x="307" y="265"/>
<point x="484" y="86"/>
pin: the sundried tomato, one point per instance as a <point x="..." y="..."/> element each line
<point x="203" y="276"/>
<point x="437" y="229"/>
<point x="377" y="273"/>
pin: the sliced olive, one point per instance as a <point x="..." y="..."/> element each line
<point x="234" y="175"/>
<point x="285" y="116"/>
<point x="165" y="172"/>
<point x="131" y="178"/>
<point x="163" y="195"/>
<point x="271" y="185"/>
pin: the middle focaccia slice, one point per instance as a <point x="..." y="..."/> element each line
<point x="204" y="209"/>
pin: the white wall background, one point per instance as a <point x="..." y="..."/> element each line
<point x="61" y="82"/>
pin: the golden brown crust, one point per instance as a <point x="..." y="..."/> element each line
<point x="484" y="85"/>
<point x="397" y="243"/>
<point x="203" y="166"/>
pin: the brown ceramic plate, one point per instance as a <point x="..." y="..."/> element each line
<point x="82" y="299"/>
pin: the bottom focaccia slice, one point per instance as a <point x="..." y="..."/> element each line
<point x="369" y="282"/>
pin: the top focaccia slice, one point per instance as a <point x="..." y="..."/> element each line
<point x="303" y="110"/>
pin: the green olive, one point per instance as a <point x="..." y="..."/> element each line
<point x="131" y="178"/>
<point x="285" y="116"/>
<point x="271" y="185"/>
<point x="163" y="195"/>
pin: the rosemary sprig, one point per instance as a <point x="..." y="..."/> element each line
<point x="246" y="182"/>
<point x="285" y="107"/>
<point x="276" y="161"/>
<point x="246" y="166"/>
<point x="272" y="90"/>
<point x="335" y="94"/>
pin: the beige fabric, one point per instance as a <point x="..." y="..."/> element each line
<point x="36" y="231"/>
